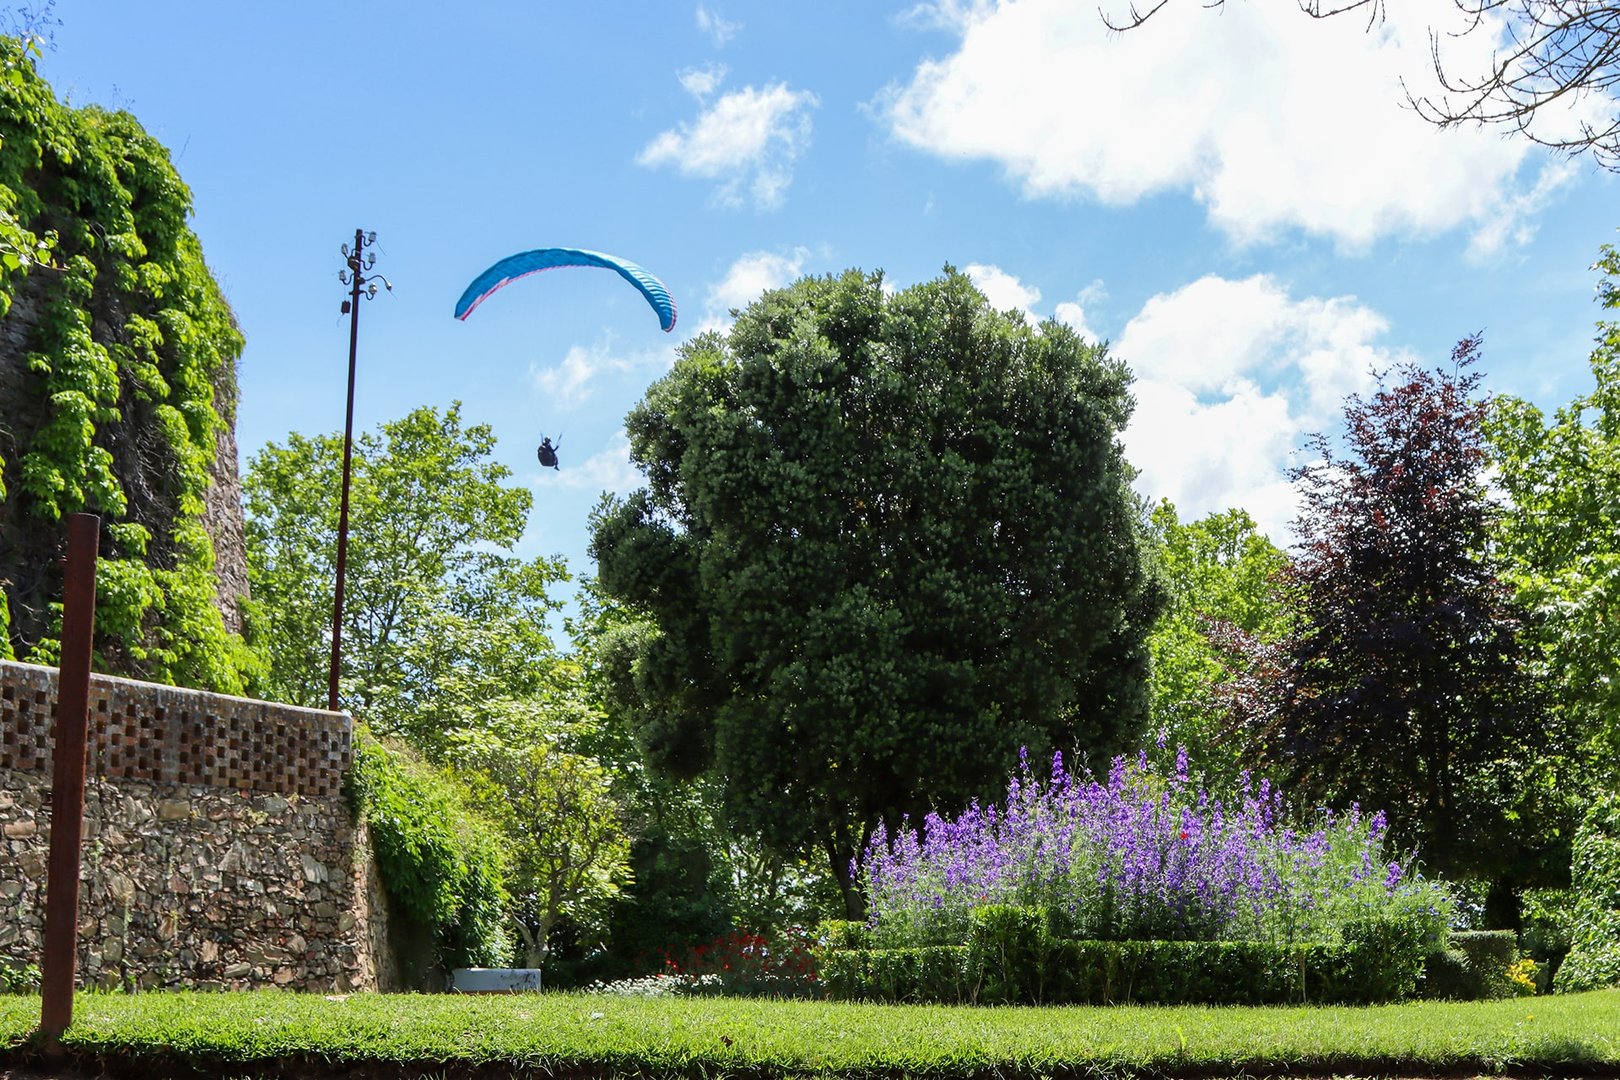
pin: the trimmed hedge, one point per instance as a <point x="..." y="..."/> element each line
<point x="1011" y="958"/>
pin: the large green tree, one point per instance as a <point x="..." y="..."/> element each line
<point x="885" y="541"/>
<point x="443" y="625"/>
<point x="1561" y="475"/>
<point x="1221" y="573"/>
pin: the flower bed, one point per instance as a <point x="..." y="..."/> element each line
<point x="1141" y="887"/>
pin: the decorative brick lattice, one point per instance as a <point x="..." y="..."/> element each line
<point x="163" y="734"/>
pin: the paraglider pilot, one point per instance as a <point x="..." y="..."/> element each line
<point x="548" y="452"/>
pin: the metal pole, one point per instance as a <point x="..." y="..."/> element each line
<point x="60" y="960"/>
<point x="348" y="444"/>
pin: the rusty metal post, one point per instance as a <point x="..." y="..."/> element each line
<point x="60" y="961"/>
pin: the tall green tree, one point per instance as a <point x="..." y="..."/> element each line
<point x="1561" y="476"/>
<point x="568" y="854"/>
<point x="886" y="540"/>
<point x="1221" y="573"/>
<point x="443" y="625"/>
<point x="1406" y="685"/>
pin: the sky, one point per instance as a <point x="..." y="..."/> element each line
<point x="1238" y="200"/>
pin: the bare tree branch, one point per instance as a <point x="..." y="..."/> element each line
<point x="1555" y="53"/>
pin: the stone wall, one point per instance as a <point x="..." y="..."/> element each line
<point x="218" y="848"/>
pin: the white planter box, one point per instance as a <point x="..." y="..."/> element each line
<point x="494" y="980"/>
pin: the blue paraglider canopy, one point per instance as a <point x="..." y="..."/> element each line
<point x="525" y="263"/>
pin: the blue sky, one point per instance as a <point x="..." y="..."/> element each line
<point x="1236" y="199"/>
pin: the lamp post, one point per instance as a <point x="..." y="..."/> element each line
<point x="361" y="282"/>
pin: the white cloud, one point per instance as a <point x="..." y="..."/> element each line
<point x="703" y="81"/>
<point x="571" y="379"/>
<point x="748" y="139"/>
<point x="1271" y="119"/>
<point x="1231" y="376"/>
<point x="749" y="276"/>
<point x="719" y="29"/>
<point x="609" y="469"/>
<point x="1004" y="291"/>
<point x="1007" y="293"/>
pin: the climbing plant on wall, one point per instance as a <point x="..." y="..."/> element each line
<point x="117" y="358"/>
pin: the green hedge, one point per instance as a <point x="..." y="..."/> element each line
<point x="1011" y="958"/>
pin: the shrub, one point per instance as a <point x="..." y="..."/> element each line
<point x="1142" y="856"/>
<point x="1385" y="956"/>
<point x="1476" y="964"/>
<point x="1071" y="972"/>
<point x="844" y="934"/>
<point x="747" y="964"/>
<point x="931" y="973"/>
<point x="1548" y="916"/>
<point x="439" y="860"/>
<point x="19" y="980"/>
<point x="1594" y="954"/>
<point x="1007" y="953"/>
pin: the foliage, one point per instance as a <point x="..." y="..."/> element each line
<point x="885" y="540"/>
<point x="113" y="401"/>
<point x="19" y="980"/>
<point x="567" y="852"/>
<point x="443" y="627"/>
<point x="694" y="1038"/>
<point x="1478" y="964"/>
<point x="744" y="963"/>
<point x="1142" y="856"/>
<point x="1561" y="476"/>
<point x="1220" y="573"/>
<point x="1549" y="915"/>
<point x="1405" y="680"/>
<point x="1594" y="955"/>
<point x="1061" y="971"/>
<point x="439" y="860"/>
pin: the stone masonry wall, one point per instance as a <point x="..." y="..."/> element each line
<point x="218" y="849"/>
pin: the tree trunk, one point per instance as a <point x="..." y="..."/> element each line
<point x="841" y="854"/>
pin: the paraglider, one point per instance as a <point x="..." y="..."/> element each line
<point x="548" y="452"/>
<point x="525" y="263"/>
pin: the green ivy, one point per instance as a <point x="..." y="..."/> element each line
<point x="439" y="860"/>
<point x="1594" y="956"/>
<point x="132" y="331"/>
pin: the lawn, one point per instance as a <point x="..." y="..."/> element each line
<point x="574" y="1034"/>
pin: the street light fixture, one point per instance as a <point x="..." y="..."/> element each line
<point x="361" y="281"/>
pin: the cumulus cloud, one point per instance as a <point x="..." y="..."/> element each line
<point x="1231" y="376"/>
<point x="750" y="275"/>
<point x="747" y="139"/>
<point x="571" y="380"/>
<point x="1272" y="120"/>
<point x="609" y="469"/>
<point x="1004" y="291"/>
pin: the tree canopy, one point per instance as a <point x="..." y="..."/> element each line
<point x="442" y="624"/>
<point x="1405" y="682"/>
<point x="1221" y="573"/>
<point x="886" y="540"/>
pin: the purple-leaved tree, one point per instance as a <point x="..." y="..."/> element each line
<point x="1405" y="683"/>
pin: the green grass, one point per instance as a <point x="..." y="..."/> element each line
<point x="573" y="1034"/>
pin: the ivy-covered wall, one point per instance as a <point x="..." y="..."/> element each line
<point x="117" y="388"/>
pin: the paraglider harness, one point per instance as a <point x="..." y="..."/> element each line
<point x="548" y="452"/>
